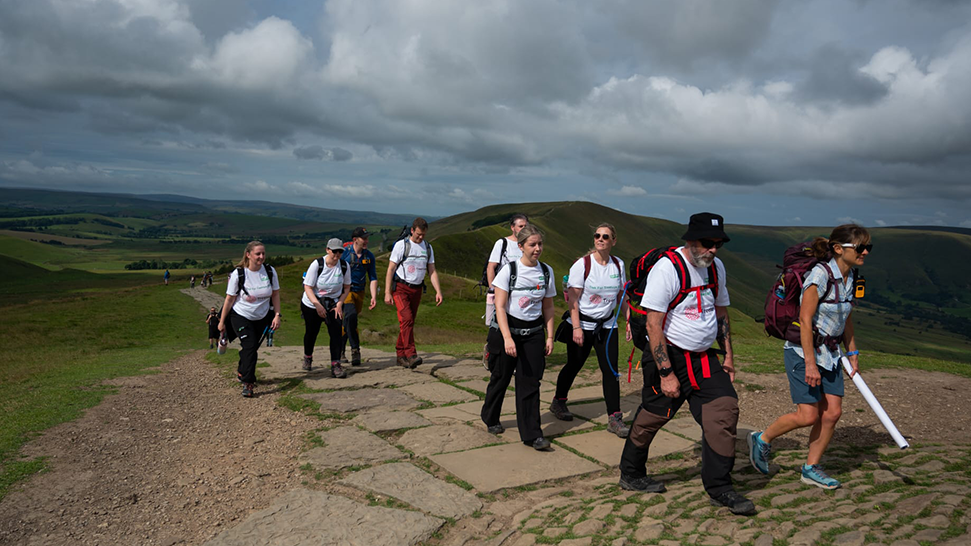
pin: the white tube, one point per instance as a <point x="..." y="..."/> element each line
<point x="875" y="405"/>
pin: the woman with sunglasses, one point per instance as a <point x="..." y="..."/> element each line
<point x="325" y="287"/>
<point x="596" y="287"/>
<point x="813" y="367"/>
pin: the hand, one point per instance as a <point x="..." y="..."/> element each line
<point x="387" y="298"/>
<point x="628" y="336"/>
<point x="438" y="299"/>
<point x="813" y="378"/>
<point x="321" y="312"/>
<point x="374" y="303"/>
<point x="275" y="324"/>
<point x="855" y="362"/>
<point x="578" y="336"/>
<point x="222" y="327"/>
<point x="670" y="386"/>
<point x="549" y="346"/>
<point x="510" y="347"/>
<point x="339" y="310"/>
<point x="729" y="366"/>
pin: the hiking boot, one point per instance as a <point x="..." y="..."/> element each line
<point x="558" y="409"/>
<point x="355" y="357"/>
<point x="336" y="370"/>
<point x="539" y="444"/>
<point x="735" y="503"/>
<point x="645" y="484"/>
<point x="758" y="452"/>
<point x="495" y="429"/>
<point x="308" y="363"/>
<point x="485" y="356"/>
<point x="615" y="424"/>
<point x="344" y="356"/>
<point x="239" y="377"/>
<point x="404" y="362"/>
<point x="212" y="345"/>
<point x="248" y="389"/>
<point x="814" y="475"/>
<point x="414" y="361"/>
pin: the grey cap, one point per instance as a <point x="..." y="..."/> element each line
<point x="335" y="244"/>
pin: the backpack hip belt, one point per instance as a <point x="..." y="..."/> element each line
<point x="518" y="332"/>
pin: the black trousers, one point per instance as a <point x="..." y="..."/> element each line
<point x="713" y="402"/>
<point x="576" y="356"/>
<point x="313" y="321"/>
<point x="249" y="333"/>
<point x="528" y="366"/>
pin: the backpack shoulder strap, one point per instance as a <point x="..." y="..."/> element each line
<point x="428" y="255"/>
<point x="269" y="274"/>
<point x="320" y="270"/>
<point x="616" y="264"/>
<point x="240" y="277"/>
<point x="586" y="268"/>
<point x="513" y="275"/>
<point x="684" y="278"/>
<point x="713" y="279"/>
<point x="343" y="267"/>
<point x="546" y="275"/>
<point x="505" y="243"/>
<point x="830" y="282"/>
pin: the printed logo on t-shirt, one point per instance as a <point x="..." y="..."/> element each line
<point x="595" y="299"/>
<point x="411" y="269"/>
<point x="524" y="302"/>
<point x="692" y="314"/>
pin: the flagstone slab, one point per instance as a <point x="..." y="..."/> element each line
<point x="438" y="393"/>
<point x="303" y="516"/>
<point x="418" y="488"/>
<point x="511" y="465"/>
<point x="445" y="438"/>
<point x="606" y="447"/>
<point x="363" y="399"/>
<point x="597" y="411"/>
<point x="551" y="425"/>
<point x="357" y="378"/>
<point x="480" y="385"/>
<point x="350" y="446"/>
<point x="384" y="421"/>
<point x="447" y="414"/>
<point x="475" y="408"/>
<point x="463" y="373"/>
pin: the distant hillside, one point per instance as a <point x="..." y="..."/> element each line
<point x="156" y="206"/>
<point x="918" y="293"/>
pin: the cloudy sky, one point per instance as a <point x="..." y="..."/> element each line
<point x="769" y="112"/>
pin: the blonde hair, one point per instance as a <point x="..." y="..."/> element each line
<point x="613" y="235"/>
<point x="244" y="262"/>
<point x="528" y="231"/>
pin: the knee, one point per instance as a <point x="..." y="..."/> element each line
<point x="719" y="419"/>
<point x="831" y="416"/>
<point x="645" y="426"/>
<point x="807" y="415"/>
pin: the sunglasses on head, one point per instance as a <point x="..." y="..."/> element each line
<point x="708" y="243"/>
<point x="598" y="236"/>
<point x="860" y="249"/>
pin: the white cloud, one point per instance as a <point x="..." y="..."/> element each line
<point x="628" y="191"/>
<point x="881" y="223"/>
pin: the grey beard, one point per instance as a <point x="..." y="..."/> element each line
<point x="705" y="260"/>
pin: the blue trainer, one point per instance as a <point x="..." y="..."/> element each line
<point x="814" y="475"/>
<point x="758" y="452"/>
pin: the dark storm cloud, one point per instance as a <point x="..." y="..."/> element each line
<point x="320" y="153"/>
<point x="834" y="75"/>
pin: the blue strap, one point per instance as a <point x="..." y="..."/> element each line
<point x="611" y="332"/>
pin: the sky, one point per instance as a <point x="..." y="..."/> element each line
<point x="769" y="112"/>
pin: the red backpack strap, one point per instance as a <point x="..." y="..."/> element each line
<point x="586" y="268"/>
<point x="684" y="278"/>
<point x="830" y="283"/>
<point x="616" y="263"/>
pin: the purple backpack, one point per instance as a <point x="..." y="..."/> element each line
<point x="782" y="302"/>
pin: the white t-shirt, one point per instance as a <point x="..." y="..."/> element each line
<point x="526" y="303"/>
<point x="686" y="326"/>
<point x="411" y="268"/>
<point x="513" y="252"/>
<point x="330" y="284"/>
<point x="599" y="297"/>
<point x="254" y="303"/>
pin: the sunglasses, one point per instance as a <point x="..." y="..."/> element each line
<point x="338" y="251"/>
<point x="598" y="236"/>
<point x="860" y="249"/>
<point x="708" y="243"/>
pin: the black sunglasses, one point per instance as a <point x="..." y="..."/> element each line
<point x="336" y="251"/>
<point x="708" y="243"/>
<point x="598" y="236"/>
<point x="860" y="249"/>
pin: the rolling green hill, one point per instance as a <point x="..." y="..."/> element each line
<point x="918" y="296"/>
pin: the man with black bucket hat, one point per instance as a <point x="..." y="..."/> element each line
<point x="686" y="300"/>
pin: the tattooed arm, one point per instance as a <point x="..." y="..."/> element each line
<point x="659" y="351"/>
<point x="724" y="338"/>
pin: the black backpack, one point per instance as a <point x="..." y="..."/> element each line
<point x="320" y="268"/>
<point x="241" y="277"/>
<point x="484" y="281"/>
<point x="639" y="269"/>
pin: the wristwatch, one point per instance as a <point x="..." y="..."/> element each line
<point x="665" y="371"/>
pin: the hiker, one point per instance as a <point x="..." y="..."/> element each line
<point x="682" y="365"/>
<point x="596" y="286"/>
<point x="361" y="267"/>
<point x="325" y="286"/>
<point x="411" y="259"/>
<point x="213" y="321"/>
<point x="504" y="251"/>
<point x="165" y="277"/>
<point x="192" y="281"/>
<point x="251" y="288"/>
<point x="813" y="366"/>
<point x="524" y="307"/>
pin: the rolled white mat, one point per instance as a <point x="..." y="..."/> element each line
<point x="875" y="405"/>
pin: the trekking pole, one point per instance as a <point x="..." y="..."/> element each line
<point x="875" y="404"/>
<point x="262" y="337"/>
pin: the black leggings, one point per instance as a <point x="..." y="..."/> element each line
<point x="249" y="333"/>
<point x="528" y="367"/>
<point x="313" y="322"/>
<point x="576" y="356"/>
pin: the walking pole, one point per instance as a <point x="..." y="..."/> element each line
<point x="875" y="404"/>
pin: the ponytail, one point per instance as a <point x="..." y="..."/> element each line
<point x="851" y="234"/>
<point x="821" y="249"/>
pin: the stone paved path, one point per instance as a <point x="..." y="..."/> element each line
<point x="413" y="464"/>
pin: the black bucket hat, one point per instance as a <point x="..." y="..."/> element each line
<point x="705" y="225"/>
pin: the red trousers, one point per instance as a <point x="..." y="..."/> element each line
<point x="406" y="300"/>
